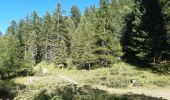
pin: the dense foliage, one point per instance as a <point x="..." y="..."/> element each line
<point x="98" y="38"/>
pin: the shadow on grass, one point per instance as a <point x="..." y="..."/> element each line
<point x="87" y="93"/>
<point x="136" y="61"/>
<point x="144" y="65"/>
<point x="96" y="94"/>
<point x="161" y="69"/>
<point x="8" y="89"/>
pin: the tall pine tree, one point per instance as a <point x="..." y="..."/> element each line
<point x="108" y="47"/>
<point x="75" y="15"/>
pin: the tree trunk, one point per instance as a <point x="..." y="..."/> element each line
<point x="154" y="61"/>
<point x="89" y="67"/>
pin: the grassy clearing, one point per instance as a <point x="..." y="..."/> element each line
<point x="116" y="78"/>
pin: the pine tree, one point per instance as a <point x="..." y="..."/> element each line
<point x="75" y="15"/>
<point x="21" y="42"/>
<point x="28" y="54"/>
<point x="60" y="39"/>
<point x="61" y="52"/>
<point x="71" y="31"/>
<point x="141" y="27"/>
<point x="35" y="38"/>
<point x="145" y="34"/>
<point x="108" y="47"/>
<point x="2" y="55"/>
<point x="47" y="30"/>
<point x="82" y="45"/>
<point x="12" y="28"/>
<point x="153" y="23"/>
<point x="166" y="14"/>
<point x="134" y="39"/>
<point x="11" y="51"/>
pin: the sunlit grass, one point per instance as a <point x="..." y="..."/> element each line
<point x="114" y="79"/>
<point x="117" y="76"/>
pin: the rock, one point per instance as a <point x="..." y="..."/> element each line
<point x="45" y="71"/>
<point x="133" y="82"/>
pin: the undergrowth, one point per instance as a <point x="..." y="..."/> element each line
<point x="51" y="87"/>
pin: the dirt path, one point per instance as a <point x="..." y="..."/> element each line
<point x="67" y="79"/>
<point x="154" y="92"/>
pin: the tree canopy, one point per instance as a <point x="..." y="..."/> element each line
<point x="99" y="38"/>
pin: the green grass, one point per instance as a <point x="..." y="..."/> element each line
<point x="116" y="77"/>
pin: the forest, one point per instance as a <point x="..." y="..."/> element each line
<point x="135" y="32"/>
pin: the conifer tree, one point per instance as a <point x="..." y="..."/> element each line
<point x="2" y="55"/>
<point x="71" y="31"/>
<point x="134" y="38"/>
<point x="11" y="53"/>
<point x="36" y="36"/>
<point x="47" y="30"/>
<point x="82" y="44"/>
<point x="75" y="15"/>
<point x="153" y="23"/>
<point x="28" y="44"/>
<point x="108" y="47"/>
<point x="138" y="28"/>
<point x="166" y="14"/>
<point x="12" y="28"/>
<point x="60" y="36"/>
<point x="145" y="34"/>
<point x="21" y="42"/>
